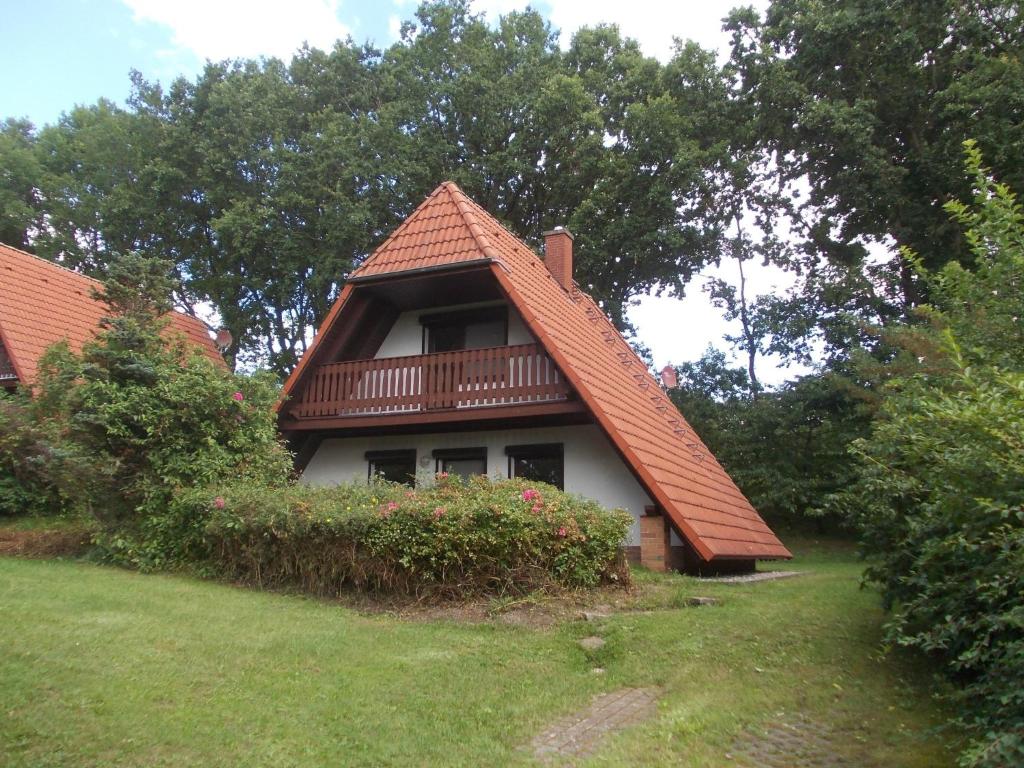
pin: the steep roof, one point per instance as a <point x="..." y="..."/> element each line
<point x="664" y="452"/>
<point x="438" y="233"/>
<point x="42" y="303"/>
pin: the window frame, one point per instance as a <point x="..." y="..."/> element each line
<point x="463" y="318"/>
<point x="441" y="455"/>
<point x="539" y="451"/>
<point x="394" y="454"/>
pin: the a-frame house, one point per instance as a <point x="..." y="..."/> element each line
<point x="454" y="348"/>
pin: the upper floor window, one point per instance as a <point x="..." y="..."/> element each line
<point x="465" y="329"/>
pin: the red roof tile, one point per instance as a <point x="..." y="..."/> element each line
<point x="664" y="452"/>
<point x="42" y="303"/>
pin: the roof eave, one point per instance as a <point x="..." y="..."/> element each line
<point x="391" y="274"/>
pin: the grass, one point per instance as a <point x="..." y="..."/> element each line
<point x="106" y="667"/>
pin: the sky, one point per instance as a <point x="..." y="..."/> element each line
<point x="59" y="54"/>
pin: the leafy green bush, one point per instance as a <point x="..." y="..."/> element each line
<point x="41" y="473"/>
<point x="940" y="494"/>
<point x="481" y="536"/>
<point x="941" y="501"/>
<point x="155" y="415"/>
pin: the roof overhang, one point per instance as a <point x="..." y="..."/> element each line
<point x="459" y="266"/>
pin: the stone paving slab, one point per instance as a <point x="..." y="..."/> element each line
<point x="745" y="578"/>
<point x="579" y="735"/>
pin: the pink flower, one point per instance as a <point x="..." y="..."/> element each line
<point x="442" y="475"/>
<point x="392" y="506"/>
<point x="536" y="508"/>
<point x="219" y="502"/>
<point x="387" y="509"/>
<point x="530" y="494"/>
<point x="238" y="397"/>
<point x="438" y="513"/>
<point x="562" y="532"/>
<point x="410" y="494"/>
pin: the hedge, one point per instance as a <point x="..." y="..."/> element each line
<point x="455" y="537"/>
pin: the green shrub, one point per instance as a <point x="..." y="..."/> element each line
<point x="481" y="536"/>
<point x="941" y="505"/>
<point x="940" y="492"/>
<point x="41" y="473"/>
<point x="157" y="416"/>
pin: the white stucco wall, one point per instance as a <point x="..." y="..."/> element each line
<point x="406" y="335"/>
<point x="592" y="468"/>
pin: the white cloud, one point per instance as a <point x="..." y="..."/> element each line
<point x="679" y="330"/>
<point x="651" y="22"/>
<point x="394" y="26"/>
<point x="496" y="8"/>
<point x="221" y="29"/>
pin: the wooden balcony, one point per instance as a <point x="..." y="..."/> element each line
<point x="459" y="386"/>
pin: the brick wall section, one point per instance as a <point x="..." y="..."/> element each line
<point x="655" y="549"/>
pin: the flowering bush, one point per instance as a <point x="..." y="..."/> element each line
<point x="457" y="537"/>
<point x="153" y="415"/>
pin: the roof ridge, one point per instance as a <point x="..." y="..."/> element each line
<point x="400" y="228"/>
<point x="97" y="281"/>
<point x="465" y="207"/>
<point x="29" y="323"/>
<point x="51" y="263"/>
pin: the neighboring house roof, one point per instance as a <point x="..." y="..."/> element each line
<point x="42" y="303"/>
<point x="665" y="454"/>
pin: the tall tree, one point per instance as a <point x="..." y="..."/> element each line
<point x="265" y="183"/>
<point x="870" y="100"/>
<point x="19" y="180"/>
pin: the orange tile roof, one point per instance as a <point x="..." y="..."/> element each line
<point x="42" y="303"/>
<point x="435" y="235"/>
<point x="664" y="452"/>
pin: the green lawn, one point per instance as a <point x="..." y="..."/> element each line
<point x="105" y="667"/>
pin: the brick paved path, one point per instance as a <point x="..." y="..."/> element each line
<point x="800" y="743"/>
<point x="579" y="734"/>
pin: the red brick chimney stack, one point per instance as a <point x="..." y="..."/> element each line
<point x="558" y="255"/>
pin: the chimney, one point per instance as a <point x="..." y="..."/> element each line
<point x="558" y="255"/>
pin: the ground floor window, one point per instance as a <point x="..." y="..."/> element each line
<point x="543" y="462"/>
<point x="464" y="462"/>
<point x="393" y="466"/>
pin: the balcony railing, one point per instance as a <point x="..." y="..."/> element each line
<point x="470" y="378"/>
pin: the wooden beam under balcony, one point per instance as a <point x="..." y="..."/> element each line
<point x="501" y="417"/>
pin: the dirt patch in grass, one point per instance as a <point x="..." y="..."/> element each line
<point x="534" y="611"/>
<point x="64" y="541"/>
<point x="539" y="610"/>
